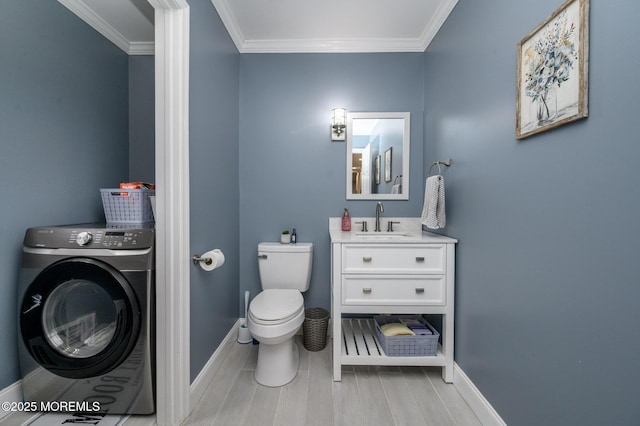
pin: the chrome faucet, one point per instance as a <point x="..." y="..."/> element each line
<point x="379" y="209"/>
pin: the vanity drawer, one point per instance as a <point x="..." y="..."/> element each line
<point x="407" y="290"/>
<point x="394" y="259"/>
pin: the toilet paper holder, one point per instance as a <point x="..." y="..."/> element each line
<point x="206" y="260"/>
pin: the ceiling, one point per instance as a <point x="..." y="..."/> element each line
<point x="270" y="26"/>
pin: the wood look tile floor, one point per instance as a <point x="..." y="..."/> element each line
<point x="367" y="396"/>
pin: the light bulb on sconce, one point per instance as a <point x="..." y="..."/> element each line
<point x="338" y="124"/>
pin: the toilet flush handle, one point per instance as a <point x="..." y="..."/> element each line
<point x="262" y="256"/>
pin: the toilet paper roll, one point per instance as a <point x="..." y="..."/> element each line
<point x="217" y="260"/>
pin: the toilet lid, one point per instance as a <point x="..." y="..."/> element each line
<point x="276" y="304"/>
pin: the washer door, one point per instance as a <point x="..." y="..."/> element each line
<point x="80" y="318"/>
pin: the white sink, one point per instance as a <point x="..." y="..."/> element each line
<point x="380" y="235"/>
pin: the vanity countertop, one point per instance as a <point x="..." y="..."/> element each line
<point x="409" y="228"/>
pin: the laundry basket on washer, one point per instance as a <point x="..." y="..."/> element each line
<point x="127" y="205"/>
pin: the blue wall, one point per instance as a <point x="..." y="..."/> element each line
<point x="142" y="136"/>
<point x="63" y="134"/>
<point x="213" y="134"/>
<point x="548" y="294"/>
<point x="291" y="174"/>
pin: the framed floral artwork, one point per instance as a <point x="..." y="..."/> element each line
<point x="552" y="71"/>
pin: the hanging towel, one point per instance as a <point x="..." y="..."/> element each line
<point x="433" y="215"/>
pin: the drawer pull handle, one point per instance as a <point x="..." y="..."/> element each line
<point x="419" y="258"/>
<point x="419" y="290"/>
<point x="366" y="290"/>
<point x="366" y="259"/>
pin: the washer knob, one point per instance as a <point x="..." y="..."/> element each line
<point x="84" y="238"/>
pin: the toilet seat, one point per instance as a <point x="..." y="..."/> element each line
<point x="276" y="306"/>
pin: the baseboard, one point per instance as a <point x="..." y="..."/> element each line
<point x="12" y="393"/>
<point x="205" y="376"/>
<point x="478" y="403"/>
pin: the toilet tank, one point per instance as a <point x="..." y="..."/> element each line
<point x="285" y="266"/>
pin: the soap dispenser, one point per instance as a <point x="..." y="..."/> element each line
<point x="346" y="220"/>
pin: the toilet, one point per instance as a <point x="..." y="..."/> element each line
<point x="277" y="313"/>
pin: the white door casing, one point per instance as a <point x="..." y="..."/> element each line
<point x="172" y="212"/>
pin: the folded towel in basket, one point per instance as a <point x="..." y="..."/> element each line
<point x="396" y="329"/>
<point x="433" y="214"/>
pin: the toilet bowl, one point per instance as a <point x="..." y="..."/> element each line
<point x="274" y="325"/>
<point x="277" y="313"/>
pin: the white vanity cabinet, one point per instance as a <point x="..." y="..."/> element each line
<point x="412" y="274"/>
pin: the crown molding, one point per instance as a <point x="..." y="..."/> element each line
<point x="80" y="9"/>
<point x="141" y="48"/>
<point x="436" y="22"/>
<point x="245" y="45"/>
<point x="230" y="23"/>
<point x="332" y="46"/>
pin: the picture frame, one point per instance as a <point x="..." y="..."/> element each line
<point x="377" y="170"/>
<point x="387" y="164"/>
<point x="552" y="71"/>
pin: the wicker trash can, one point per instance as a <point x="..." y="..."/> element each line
<point x="314" y="328"/>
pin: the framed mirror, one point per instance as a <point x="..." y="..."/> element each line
<point x="378" y="146"/>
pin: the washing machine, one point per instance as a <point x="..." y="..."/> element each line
<point x="86" y="318"/>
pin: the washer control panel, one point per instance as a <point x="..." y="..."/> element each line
<point x="89" y="237"/>
<point x="106" y="239"/>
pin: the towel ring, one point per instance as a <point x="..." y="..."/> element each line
<point x="435" y="163"/>
<point x="438" y="163"/>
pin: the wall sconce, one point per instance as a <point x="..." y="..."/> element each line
<point x="338" y="124"/>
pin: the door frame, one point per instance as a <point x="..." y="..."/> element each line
<point x="172" y="210"/>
